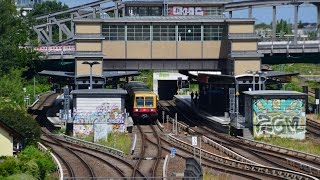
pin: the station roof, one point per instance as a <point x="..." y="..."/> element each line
<point x="273" y="92"/>
<point x="167" y="19"/>
<point x="105" y="74"/>
<point x="99" y="92"/>
<point x="196" y="2"/>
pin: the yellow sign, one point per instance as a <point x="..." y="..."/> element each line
<point x="237" y="94"/>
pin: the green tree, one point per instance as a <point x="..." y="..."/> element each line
<point x="14" y="33"/>
<point x="262" y="26"/>
<point x="23" y="123"/>
<point x="283" y="27"/>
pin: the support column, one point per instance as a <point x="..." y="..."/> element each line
<point x="250" y="12"/>
<point x="296" y="10"/>
<point x="60" y="34"/>
<point x="230" y="14"/>
<point x="318" y="19"/>
<point x="274" y="22"/>
<point x="116" y="11"/>
<point x="94" y="13"/>
<point x="50" y="30"/>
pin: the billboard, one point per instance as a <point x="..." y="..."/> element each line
<point x="279" y="117"/>
<point x="187" y="11"/>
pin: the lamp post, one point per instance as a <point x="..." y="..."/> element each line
<point x="253" y="79"/>
<point x="91" y="64"/>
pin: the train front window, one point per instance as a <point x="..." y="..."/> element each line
<point x="139" y="101"/>
<point x="149" y="101"/>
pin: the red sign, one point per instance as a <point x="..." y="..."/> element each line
<point x="187" y="11"/>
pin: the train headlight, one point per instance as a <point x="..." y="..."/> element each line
<point x="151" y="110"/>
<point x="136" y="110"/>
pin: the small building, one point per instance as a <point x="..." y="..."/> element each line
<point x="8" y="136"/>
<point x="97" y="112"/>
<point x="276" y="113"/>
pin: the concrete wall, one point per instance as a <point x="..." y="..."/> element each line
<point x="241" y="28"/>
<point x="88" y="28"/>
<point x="279" y="117"/>
<point x="244" y="46"/>
<point x="164" y="49"/>
<point x="241" y="66"/>
<point x="6" y="143"/>
<point x="84" y="69"/>
<point x="88" y="46"/>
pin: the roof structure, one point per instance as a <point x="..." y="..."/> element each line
<point x="11" y="131"/>
<point x="273" y="92"/>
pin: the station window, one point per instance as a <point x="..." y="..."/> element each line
<point x="213" y="11"/>
<point x="113" y="32"/>
<point x="138" y="32"/>
<point x="189" y="32"/>
<point x="164" y="33"/>
<point x="212" y="32"/>
<point x="144" y="11"/>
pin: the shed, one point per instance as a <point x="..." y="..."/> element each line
<point x="97" y="112"/>
<point x="276" y="113"/>
<point x="7" y="137"/>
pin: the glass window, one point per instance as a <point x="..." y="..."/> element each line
<point x="212" y="32"/>
<point x="164" y="33"/>
<point x="138" y="32"/>
<point x="113" y="32"/>
<point x="189" y="32"/>
<point x="139" y="102"/>
<point x="149" y="101"/>
<point x="214" y="11"/>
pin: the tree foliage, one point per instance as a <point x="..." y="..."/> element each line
<point x="30" y="164"/>
<point x="283" y="27"/>
<point x="23" y="123"/>
<point x="14" y="33"/>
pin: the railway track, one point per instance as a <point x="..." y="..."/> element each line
<point x="77" y="160"/>
<point x="265" y="157"/>
<point x="150" y="154"/>
<point x="313" y="127"/>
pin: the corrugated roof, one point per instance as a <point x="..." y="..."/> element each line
<point x="100" y="91"/>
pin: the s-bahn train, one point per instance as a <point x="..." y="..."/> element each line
<point x="141" y="102"/>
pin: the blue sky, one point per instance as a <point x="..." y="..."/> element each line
<point x="307" y="13"/>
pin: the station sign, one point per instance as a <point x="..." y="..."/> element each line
<point x="187" y="11"/>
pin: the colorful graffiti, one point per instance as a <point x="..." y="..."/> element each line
<point x="279" y="117"/>
<point x="99" y="123"/>
<point x="105" y="113"/>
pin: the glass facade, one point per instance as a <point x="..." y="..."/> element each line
<point x="144" y="11"/>
<point x="161" y="32"/>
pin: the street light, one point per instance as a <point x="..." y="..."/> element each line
<point x="91" y="64"/>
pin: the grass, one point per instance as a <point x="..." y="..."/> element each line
<point x="301" y="145"/>
<point x="119" y="141"/>
<point x="208" y="175"/>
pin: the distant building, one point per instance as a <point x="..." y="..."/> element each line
<point x="7" y="138"/>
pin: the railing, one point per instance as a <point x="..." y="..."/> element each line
<point x="42" y="148"/>
<point x="92" y="145"/>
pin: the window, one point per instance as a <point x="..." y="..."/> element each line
<point x="164" y="33"/>
<point x="113" y="32"/>
<point x="149" y="101"/>
<point x="138" y="32"/>
<point x="214" y="11"/>
<point x="189" y="32"/>
<point x="139" y="102"/>
<point x="212" y="32"/>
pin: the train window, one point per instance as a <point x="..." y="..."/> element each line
<point x="139" y="101"/>
<point x="149" y="101"/>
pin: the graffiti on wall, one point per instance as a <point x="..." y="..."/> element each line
<point x="106" y="118"/>
<point x="105" y="113"/>
<point x="279" y="117"/>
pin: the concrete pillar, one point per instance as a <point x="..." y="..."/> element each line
<point x="274" y="22"/>
<point x="50" y="31"/>
<point x="250" y="12"/>
<point x="60" y="34"/>
<point x="318" y="19"/>
<point x="296" y="10"/>
<point x="116" y="11"/>
<point x="230" y="14"/>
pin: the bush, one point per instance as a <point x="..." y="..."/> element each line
<point x="30" y="164"/>
<point x="23" y="123"/>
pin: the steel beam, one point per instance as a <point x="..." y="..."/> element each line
<point x="274" y="22"/>
<point x="296" y="12"/>
<point x="318" y="19"/>
<point x="250" y="12"/>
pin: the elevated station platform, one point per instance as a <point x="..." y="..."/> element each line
<point x="221" y="123"/>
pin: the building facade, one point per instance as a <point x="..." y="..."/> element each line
<point x="167" y="35"/>
<point x="7" y="136"/>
